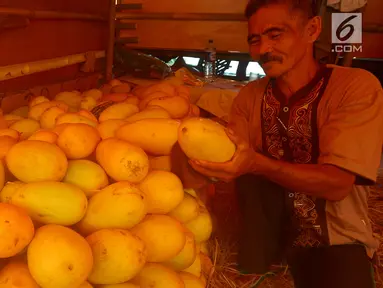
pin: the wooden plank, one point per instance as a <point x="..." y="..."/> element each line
<point x="111" y="40"/>
<point x="99" y="7"/>
<point x="191" y="6"/>
<point x="189" y="35"/>
<point x="46" y="14"/>
<point x="127" y="26"/>
<point x="130" y="6"/>
<point x="182" y="16"/>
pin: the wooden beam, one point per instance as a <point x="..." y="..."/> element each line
<point x="182" y="16"/>
<point x="131" y="6"/>
<point x="111" y="40"/>
<point x="126" y="26"/>
<point x="37" y="14"/>
<point x="18" y="70"/>
<point x="127" y="40"/>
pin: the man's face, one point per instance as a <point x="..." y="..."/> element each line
<point x="278" y="38"/>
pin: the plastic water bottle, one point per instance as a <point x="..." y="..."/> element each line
<point x="211" y="56"/>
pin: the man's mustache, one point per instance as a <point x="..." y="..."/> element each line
<point x="267" y="57"/>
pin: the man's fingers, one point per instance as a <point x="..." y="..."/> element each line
<point x="236" y="140"/>
<point x="204" y="170"/>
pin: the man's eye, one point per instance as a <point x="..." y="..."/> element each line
<point x="254" y="42"/>
<point x="275" y="36"/>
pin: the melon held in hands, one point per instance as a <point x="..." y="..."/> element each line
<point x="33" y="161"/>
<point x="16" y="230"/>
<point x="59" y="257"/>
<point x="204" y="139"/>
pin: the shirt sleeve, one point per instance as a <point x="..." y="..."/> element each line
<point x="352" y="136"/>
<point x="240" y="113"/>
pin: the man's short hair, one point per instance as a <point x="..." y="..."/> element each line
<point x="308" y="7"/>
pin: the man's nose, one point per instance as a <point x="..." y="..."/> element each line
<point x="265" y="47"/>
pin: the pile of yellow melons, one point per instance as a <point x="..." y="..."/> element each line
<point x="90" y="201"/>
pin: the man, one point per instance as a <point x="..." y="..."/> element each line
<point x="317" y="133"/>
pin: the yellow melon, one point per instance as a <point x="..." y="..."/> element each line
<point x="153" y="96"/>
<point x="118" y="256"/>
<point x="38" y="100"/>
<point x="122" y="88"/>
<point x="194" y="111"/>
<point x="163" y="191"/>
<point x="88" y="103"/>
<point x="204" y="139"/>
<point x="149" y="113"/>
<point x="16" y="230"/>
<point x="164" y="237"/>
<point x="177" y="107"/>
<point x="10" y="132"/>
<point x="118" y="111"/>
<point x="16" y="274"/>
<point x="6" y="143"/>
<point x="51" y="202"/>
<point x="191" y="281"/>
<point x="78" y="140"/>
<point x="115" y="82"/>
<point x="158" y="276"/>
<point x="206" y="264"/>
<point x="122" y="285"/>
<point x="164" y="87"/>
<point x="122" y="161"/>
<point x="86" y="175"/>
<point x="155" y="136"/>
<point x="87" y="114"/>
<point x="161" y="163"/>
<point x="108" y="128"/>
<point x="9" y="189"/>
<point x="59" y="257"/>
<point x="49" y="117"/>
<point x="85" y="285"/>
<point x="132" y="100"/>
<point x="96" y="94"/>
<point x="37" y="111"/>
<point x="74" y="118"/>
<point x="201" y="226"/>
<point x="25" y="127"/>
<point x="191" y="192"/>
<point x="204" y="248"/>
<point x="187" y="210"/>
<point x="105" y="89"/>
<point x="72" y="99"/>
<point x="120" y="205"/>
<point x="24" y="157"/>
<point x="44" y="135"/>
<point x="21" y="111"/>
<point x="186" y="257"/>
<point x="196" y="267"/>
<point x="138" y="91"/>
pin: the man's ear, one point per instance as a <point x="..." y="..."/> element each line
<point x="314" y="28"/>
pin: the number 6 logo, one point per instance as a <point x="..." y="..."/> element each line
<point x="346" y="28"/>
<point x="343" y="26"/>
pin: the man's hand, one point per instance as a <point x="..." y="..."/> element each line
<point x="243" y="162"/>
